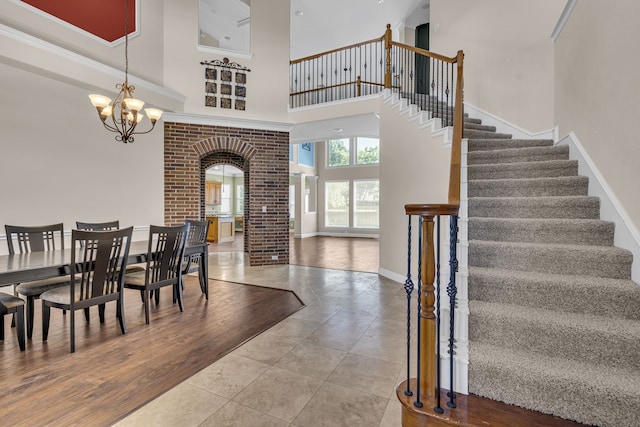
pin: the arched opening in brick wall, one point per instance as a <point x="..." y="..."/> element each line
<point x="263" y="155"/>
<point x="221" y="157"/>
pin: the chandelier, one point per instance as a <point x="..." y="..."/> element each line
<point x="123" y="114"/>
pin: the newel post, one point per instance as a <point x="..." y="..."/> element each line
<point x="427" y="382"/>
<point x="387" y="48"/>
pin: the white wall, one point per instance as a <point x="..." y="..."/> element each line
<point x="597" y="88"/>
<point x="414" y="169"/>
<point x="60" y="165"/>
<point x="508" y="64"/>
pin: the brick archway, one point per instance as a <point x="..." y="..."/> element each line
<point x="263" y="155"/>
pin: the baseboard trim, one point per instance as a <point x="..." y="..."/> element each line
<point x="626" y="235"/>
<point x="503" y="126"/>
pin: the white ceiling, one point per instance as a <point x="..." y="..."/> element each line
<point x="329" y="24"/>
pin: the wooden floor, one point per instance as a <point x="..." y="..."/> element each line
<point x="111" y="374"/>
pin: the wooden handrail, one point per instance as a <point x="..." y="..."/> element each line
<point x="318" y="55"/>
<point x="426" y="52"/>
<point x="456" y="140"/>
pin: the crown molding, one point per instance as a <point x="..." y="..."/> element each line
<point x="234" y="122"/>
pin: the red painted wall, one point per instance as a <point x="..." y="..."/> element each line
<point x="104" y="19"/>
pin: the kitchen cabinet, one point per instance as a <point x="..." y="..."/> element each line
<point x="212" y="193"/>
<point x="221" y="229"/>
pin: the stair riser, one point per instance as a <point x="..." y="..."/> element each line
<point x="597" y="235"/>
<point x="556" y="260"/>
<point x="487" y="208"/>
<point x="521" y="170"/>
<point x="550" y="396"/>
<point x="516" y="156"/>
<point x="479" y="134"/>
<point x="582" y="344"/>
<point x="554" y="296"/>
<point x="528" y="188"/>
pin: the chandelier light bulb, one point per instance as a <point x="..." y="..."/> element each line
<point x="133" y="104"/>
<point x="99" y="101"/>
<point x="154" y="114"/>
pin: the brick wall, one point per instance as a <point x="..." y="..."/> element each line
<point x="263" y="155"/>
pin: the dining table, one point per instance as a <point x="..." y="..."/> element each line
<point x="25" y="267"/>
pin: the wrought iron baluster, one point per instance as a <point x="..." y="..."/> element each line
<point x="418" y="403"/>
<point x="438" y="409"/>
<point x="452" y="291"/>
<point x="408" y="288"/>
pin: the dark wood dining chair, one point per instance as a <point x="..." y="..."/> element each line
<point x="98" y="226"/>
<point x="164" y="265"/>
<point x="22" y="239"/>
<point x="97" y="273"/>
<point x="106" y="226"/>
<point x="10" y="304"/>
<point x="198" y="231"/>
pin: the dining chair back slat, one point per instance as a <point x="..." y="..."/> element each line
<point x="34" y="238"/>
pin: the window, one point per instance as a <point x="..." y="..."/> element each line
<point x="225" y="24"/>
<point x="338" y="152"/>
<point x="367" y="203"/>
<point x="367" y="151"/>
<point x="337" y="200"/>
<point x="240" y="199"/>
<point x="225" y="201"/>
<point x="310" y="191"/>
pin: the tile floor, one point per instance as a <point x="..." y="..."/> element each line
<point x="336" y="362"/>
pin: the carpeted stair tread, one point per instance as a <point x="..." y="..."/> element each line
<point x="549" y="168"/>
<point x="478" y="134"/>
<point x="535" y="207"/>
<point x="472" y="120"/>
<point x="546" y="230"/>
<point x="615" y="298"/>
<point x="592" y="394"/>
<point x="510" y="155"/>
<point x="476" y="126"/>
<point x="599" y="261"/>
<point x="529" y="187"/>
<point x="489" y="144"/>
<point x="579" y="336"/>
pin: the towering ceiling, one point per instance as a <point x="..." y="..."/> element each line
<point x="104" y="19"/>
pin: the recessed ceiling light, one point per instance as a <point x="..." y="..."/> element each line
<point x="299" y="12"/>
<point x="337" y="129"/>
<point x="227" y="38"/>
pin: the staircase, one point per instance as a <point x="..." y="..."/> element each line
<point x="554" y="321"/>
